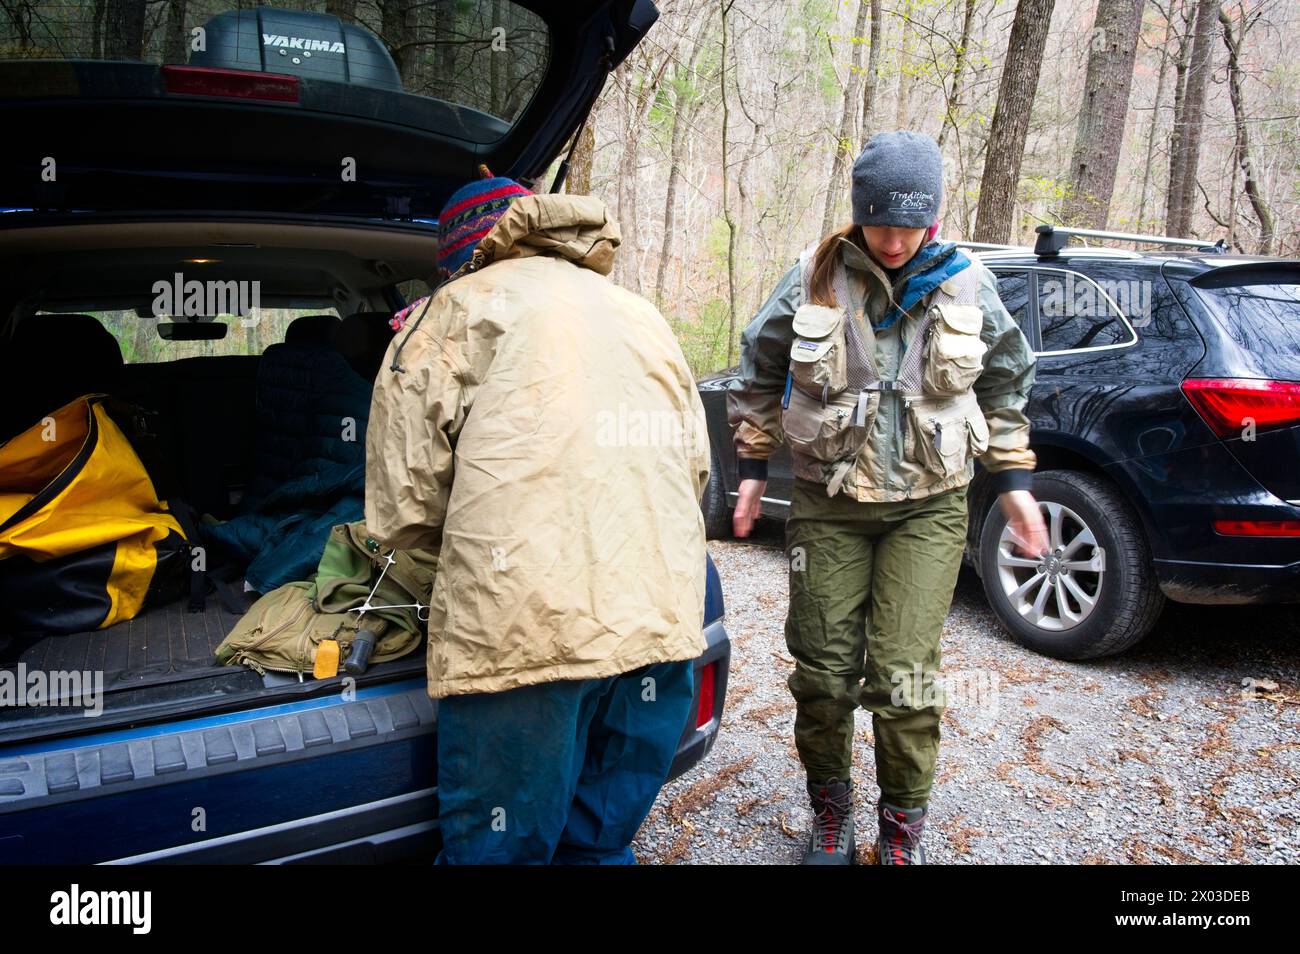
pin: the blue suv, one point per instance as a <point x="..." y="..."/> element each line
<point x="295" y="151"/>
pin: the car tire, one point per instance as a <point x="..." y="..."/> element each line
<point x="717" y="515"/>
<point x="1091" y="517"/>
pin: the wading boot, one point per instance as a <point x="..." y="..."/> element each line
<point x="831" y="842"/>
<point x="900" y="834"/>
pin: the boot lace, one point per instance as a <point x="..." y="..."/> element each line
<point x="903" y="837"/>
<point x="830" y="818"/>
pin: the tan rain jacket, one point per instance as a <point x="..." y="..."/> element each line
<point x="546" y="434"/>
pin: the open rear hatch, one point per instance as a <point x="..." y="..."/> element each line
<point x="267" y="110"/>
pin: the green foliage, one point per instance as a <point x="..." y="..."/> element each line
<point x="703" y="337"/>
<point x="1037" y="188"/>
<point x="715" y="243"/>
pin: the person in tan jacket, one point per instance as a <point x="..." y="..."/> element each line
<point x="538" y="426"/>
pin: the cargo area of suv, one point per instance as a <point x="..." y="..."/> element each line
<point x="200" y="411"/>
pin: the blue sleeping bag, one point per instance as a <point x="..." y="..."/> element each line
<point x="309" y="466"/>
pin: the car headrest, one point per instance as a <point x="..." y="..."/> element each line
<point x="313" y="330"/>
<point x="53" y="359"/>
<point x="80" y="347"/>
<point x="363" y="340"/>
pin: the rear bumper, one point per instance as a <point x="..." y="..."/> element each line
<point x="1184" y="581"/>
<point x="1179" y="496"/>
<point x="325" y="780"/>
<point x="407" y="827"/>
<point x="389" y="830"/>
<point x="697" y="740"/>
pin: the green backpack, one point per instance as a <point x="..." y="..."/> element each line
<point x="285" y="629"/>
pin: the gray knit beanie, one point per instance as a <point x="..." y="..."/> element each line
<point x="898" y="180"/>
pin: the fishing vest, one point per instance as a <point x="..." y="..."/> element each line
<point x="833" y="388"/>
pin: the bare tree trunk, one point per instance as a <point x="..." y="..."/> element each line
<point x="1174" y="196"/>
<point x="905" y="82"/>
<point x="442" y="43"/>
<point x="96" y="30"/>
<point x="176" y="46"/>
<point x="1101" y="121"/>
<point x="345" y="10"/>
<point x="1155" y="117"/>
<point x="1183" y="165"/>
<point x="954" y="91"/>
<point x="393" y="30"/>
<point x="578" y="181"/>
<point x="844" y="145"/>
<point x="638" y="111"/>
<point x="1242" y="146"/>
<point x="413" y="62"/>
<point x="124" y="29"/>
<point x="872" y="84"/>
<point x="683" y="110"/>
<point x="725" y="6"/>
<point x="1006" y="143"/>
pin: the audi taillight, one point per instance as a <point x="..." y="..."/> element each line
<point x="1230" y="405"/>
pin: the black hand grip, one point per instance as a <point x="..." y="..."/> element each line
<point x="359" y="656"/>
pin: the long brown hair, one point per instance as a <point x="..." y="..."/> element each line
<point x="823" y="267"/>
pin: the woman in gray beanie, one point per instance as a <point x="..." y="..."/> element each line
<point x="887" y="363"/>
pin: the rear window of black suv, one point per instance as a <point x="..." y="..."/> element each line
<point x="1261" y="315"/>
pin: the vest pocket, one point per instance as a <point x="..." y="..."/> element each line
<point x="818" y="361"/>
<point x="954" y="358"/>
<point x="827" y="432"/>
<point x="943" y="434"/>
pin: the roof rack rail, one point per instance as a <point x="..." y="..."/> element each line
<point x="991" y="246"/>
<point x="1053" y="238"/>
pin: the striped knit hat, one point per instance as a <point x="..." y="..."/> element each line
<point x="470" y="214"/>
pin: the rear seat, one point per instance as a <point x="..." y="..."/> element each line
<point x="363" y="340"/>
<point x="227" y="421"/>
<point x="306" y="392"/>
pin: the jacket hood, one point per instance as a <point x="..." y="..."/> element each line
<point x="576" y="227"/>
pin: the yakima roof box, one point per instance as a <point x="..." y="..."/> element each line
<point x="310" y="45"/>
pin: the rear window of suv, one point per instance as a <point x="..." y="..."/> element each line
<point x="1262" y="317"/>
<point x="484" y="56"/>
<point x="140" y="342"/>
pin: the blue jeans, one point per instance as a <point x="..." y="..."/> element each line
<point x="561" y="772"/>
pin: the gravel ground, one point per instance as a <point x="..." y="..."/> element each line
<point x="1155" y="756"/>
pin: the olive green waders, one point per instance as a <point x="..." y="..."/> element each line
<point x="870" y="586"/>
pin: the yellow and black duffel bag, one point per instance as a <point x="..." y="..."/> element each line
<point x="84" y="540"/>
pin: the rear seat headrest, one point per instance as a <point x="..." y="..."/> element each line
<point x="53" y="359"/>
<point x="82" y="336"/>
<point x="363" y="340"/>
<point x="77" y="347"/>
<point x="312" y="330"/>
